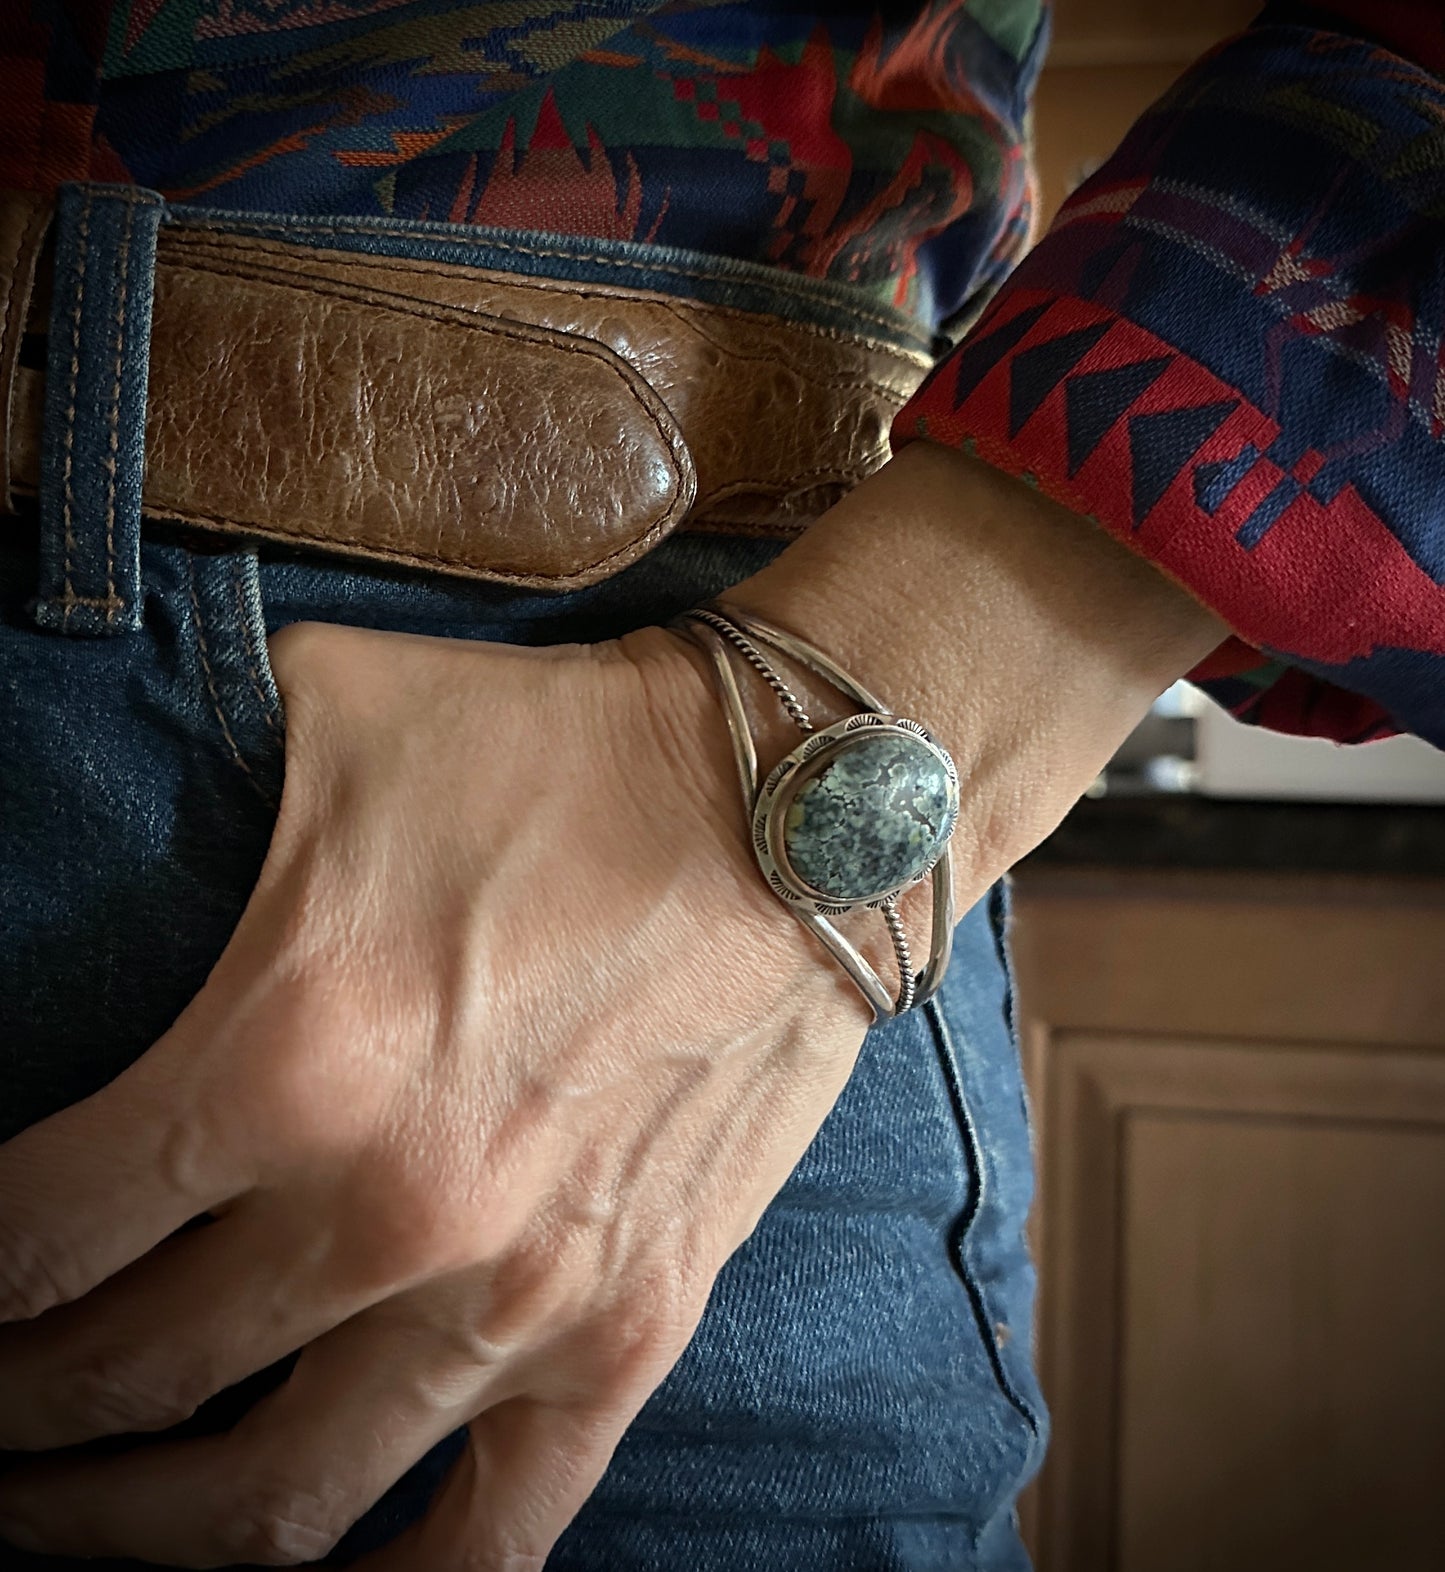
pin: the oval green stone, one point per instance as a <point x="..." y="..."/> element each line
<point x="875" y="817"/>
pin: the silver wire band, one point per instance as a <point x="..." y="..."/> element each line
<point x="723" y="634"/>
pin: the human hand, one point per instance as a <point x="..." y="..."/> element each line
<point x="508" y="1053"/>
<point x="513" y="1046"/>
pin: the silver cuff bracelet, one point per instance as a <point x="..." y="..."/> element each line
<point x="856" y="814"/>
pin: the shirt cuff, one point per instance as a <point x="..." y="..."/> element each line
<point x="1228" y="352"/>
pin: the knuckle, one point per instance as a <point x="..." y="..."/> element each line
<point x="304" y="1092"/>
<point x="645" y="1343"/>
<point x="507" y="1547"/>
<point x="416" y="1220"/>
<point x="505" y="1558"/>
<point x="668" y="1309"/>
<point x="33" y="1278"/>
<point x="186" y="1158"/>
<point x="116" y="1391"/>
<point x="531" y="1290"/>
<point x="281" y="1525"/>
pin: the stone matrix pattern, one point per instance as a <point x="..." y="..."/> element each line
<point x="874" y="818"/>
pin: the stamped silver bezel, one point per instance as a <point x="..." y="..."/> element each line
<point x="794" y="771"/>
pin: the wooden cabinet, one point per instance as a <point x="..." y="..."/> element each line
<point x="1239" y="1093"/>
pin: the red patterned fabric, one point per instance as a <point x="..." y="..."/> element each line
<point x="876" y="147"/>
<point x="1229" y="350"/>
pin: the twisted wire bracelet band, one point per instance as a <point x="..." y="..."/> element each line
<point x="775" y="814"/>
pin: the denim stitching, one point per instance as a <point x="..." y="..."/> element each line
<point x="253" y="666"/>
<point x="782" y="286"/>
<point x="196" y="235"/>
<point x="67" y="506"/>
<point x="948" y="1059"/>
<point x="137" y="196"/>
<point x="112" y="463"/>
<point x="211" y="688"/>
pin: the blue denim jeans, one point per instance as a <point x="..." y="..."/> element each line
<point x="859" y="1394"/>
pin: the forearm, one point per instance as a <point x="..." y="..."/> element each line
<point x="1023" y="636"/>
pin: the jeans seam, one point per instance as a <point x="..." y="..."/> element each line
<point x="112" y="463"/>
<point x="253" y="663"/>
<point x="136" y="196"/>
<point x="67" y="503"/>
<point x="958" y="1234"/>
<point x="218" y="709"/>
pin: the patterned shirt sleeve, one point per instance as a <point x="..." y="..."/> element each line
<point x="1228" y="351"/>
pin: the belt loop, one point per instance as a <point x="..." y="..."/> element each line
<point x="93" y="451"/>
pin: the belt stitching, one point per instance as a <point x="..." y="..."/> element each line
<point x="187" y="236"/>
<point x="13" y="328"/>
<point x="782" y="286"/>
<point x="219" y="237"/>
<point x="287" y="277"/>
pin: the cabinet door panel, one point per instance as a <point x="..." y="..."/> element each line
<point x="1280" y="1306"/>
<point x="1243" y="1286"/>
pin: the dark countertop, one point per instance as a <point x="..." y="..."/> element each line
<point x="1181" y="831"/>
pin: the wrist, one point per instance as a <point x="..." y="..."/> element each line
<point x="679" y="701"/>
<point x="1024" y="637"/>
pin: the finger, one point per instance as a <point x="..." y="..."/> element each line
<point x="97" y="1185"/>
<point x="286" y="1483"/>
<point x="526" y="1472"/>
<point x="201" y="1312"/>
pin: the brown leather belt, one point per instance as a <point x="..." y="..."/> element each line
<point x="530" y="430"/>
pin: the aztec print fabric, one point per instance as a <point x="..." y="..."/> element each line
<point x="1227" y="351"/>
<point x="879" y="146"/>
